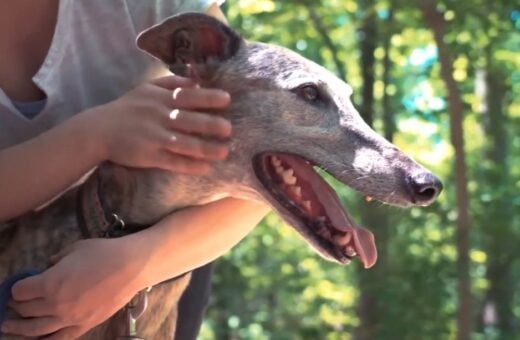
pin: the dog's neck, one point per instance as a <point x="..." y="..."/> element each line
<point x="125" y="191"/>
<point x="144" y="196"/>
<point x="115" y="188"/>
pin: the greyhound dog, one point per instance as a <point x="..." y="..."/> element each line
<point x="290" y="116"/>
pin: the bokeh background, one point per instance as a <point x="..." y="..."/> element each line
<point x="441" y="79"/>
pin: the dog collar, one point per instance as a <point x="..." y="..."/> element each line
<point x="94" y="217"/>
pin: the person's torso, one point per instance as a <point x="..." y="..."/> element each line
<point x="92" y="59"/>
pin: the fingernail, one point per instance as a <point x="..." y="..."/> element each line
<point x="224" y="153"/>
<point x="229" y="128"/>
<point x="225" y="95"/>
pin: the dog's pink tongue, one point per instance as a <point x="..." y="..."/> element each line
<point x="365" y="245"/>
<point x="363" y="239"/>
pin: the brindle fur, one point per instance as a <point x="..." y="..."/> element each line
<point x="266" y="114"/>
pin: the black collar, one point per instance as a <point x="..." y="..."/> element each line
<point x="94" y="217"/>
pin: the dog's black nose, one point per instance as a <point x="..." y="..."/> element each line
<point x="424" y="187"/>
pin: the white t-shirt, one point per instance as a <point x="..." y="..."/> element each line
<point x="92" y="60"/>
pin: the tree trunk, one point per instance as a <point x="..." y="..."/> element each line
<point x="371" y="282"/>
<point x="389" y="126"/>
<point x="500" y="242"/>
<point x="436" y="22"/>
<point x="368" y="41"/>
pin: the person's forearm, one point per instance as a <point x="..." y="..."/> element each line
<point x="175" y="245"/>
<point x="33" y="172"/>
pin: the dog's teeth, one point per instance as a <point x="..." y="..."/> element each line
<point x="275" y="161"/>
<point x="297" y="191"/>
<point x="342" y="240"/>
<point x="350" y="251"/>
<point x="307" y="205"/>
<point x="369" y="198"/>
<point x="279" y="169"/>
<point x="288" y="177"/>
<point x="324" y="232"/>
<point x="290" y="181"/>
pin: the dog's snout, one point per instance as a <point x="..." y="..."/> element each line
<point x="424" y="187"/>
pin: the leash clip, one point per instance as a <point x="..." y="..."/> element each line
<point x="115" y="227"/>
<point x="134" y="310"/>
<point x="117" y="222"/>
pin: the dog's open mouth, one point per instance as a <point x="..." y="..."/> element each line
<point x="314" y="207"/>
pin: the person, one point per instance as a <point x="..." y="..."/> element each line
<point x="74" y="92"/>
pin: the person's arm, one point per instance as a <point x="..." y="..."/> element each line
<point x="29" y="171"/>
<point x="66" y="300"/>
<point x="194" y="237"/>
<point x="134" y="130"/>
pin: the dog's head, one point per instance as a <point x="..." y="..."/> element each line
<point x="291" y="116"/>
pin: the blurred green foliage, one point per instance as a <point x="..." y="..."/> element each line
<point x="272" y="286"/>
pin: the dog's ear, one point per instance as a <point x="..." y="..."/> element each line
<point x="190" y="38"/>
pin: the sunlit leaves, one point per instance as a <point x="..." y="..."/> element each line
<point x="256" y="6"/>
<point x="272" y="286"/>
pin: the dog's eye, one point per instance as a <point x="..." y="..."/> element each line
<point x="309" y="92"/>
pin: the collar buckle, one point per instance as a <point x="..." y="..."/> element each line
<point x="116" y="226"/>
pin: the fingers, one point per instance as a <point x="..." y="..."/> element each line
<point x="28" y="289"/>
<point x="198" y="148"/>
<point x="172" y="82"/>
<point x="199" y="123"/>
<point x="32" y="308"/>
<point x="186" y="154"/>
<point x="200" y="98"/>
<point x="65" y="334"/>
<point x="32" y="327"/>
<point x="180" y="164"/>
<point x="187" y="95"/>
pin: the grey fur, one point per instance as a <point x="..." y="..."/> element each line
<point x="267" y="115"/>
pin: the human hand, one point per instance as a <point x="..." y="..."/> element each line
<point x="154" y="126"/>
<point x="91" y="280"/>
<point x="94" y="278"/>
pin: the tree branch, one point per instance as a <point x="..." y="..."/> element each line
<point x="323" y="32"/>
<point x="435" y="21"/>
